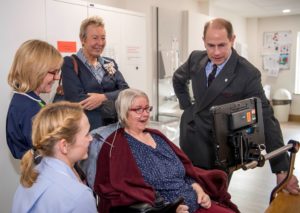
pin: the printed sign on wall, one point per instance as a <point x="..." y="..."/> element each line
<point x="276" y="51"/>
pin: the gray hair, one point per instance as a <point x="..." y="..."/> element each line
<point x="93" y="20"/>
<point x="124" y="102"/>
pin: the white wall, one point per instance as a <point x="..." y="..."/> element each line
<point x="22" y="20"/>
<point x="18" y="12"/>
<point x="195" y="23"/>
<point x="252" y="41"/>
<point x="285" y="79"/>
<point x="146" y="7"/>
<point x="239" y="23"/>
<point x="193" y="6"/>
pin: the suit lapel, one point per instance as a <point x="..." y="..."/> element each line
<point x="201" y="77"/>
<point x="219" y="84"/>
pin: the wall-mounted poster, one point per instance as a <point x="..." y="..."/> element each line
<point x="276" y="51"/>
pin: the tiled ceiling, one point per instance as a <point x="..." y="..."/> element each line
<point x="258" y="8"/>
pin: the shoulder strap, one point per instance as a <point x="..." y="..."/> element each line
<point x="75" y="64"/>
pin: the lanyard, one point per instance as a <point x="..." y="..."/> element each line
<point x="40" y="102"/>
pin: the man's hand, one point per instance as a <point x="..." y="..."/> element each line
<point x="293" y="184"/>
<point x="93" y="101"/>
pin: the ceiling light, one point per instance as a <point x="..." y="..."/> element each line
<point x="286" y="10"/>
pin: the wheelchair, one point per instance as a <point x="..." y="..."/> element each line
<point x="239" y="144"/>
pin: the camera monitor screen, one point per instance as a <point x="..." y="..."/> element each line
<point x="238" y="133"/>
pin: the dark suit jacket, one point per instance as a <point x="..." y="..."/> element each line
<point x="76" y="87"/>
<point x="237" y="80"/>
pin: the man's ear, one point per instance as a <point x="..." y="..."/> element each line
<point x="63" y="146"/>
<point x="232" y="40"/>
<point x="203" y="39"/>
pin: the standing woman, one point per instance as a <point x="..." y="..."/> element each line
<point x="98" y="78"/>
<point x="60" y="137"/>
<point x="35" y="67"/>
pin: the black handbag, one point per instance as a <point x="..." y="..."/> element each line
<point x="108" y="112"/>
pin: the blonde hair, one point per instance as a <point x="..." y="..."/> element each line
<point x="54" y="122"/>
<point x="124" y="102"/>
<point x="31" y="63"/>
<point x="93" y="20"/>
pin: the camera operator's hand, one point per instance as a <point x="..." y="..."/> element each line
<point x="293" y="184"/>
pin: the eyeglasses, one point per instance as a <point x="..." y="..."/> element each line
<point x="54" y="73"/>
<point x="141" y="110"/>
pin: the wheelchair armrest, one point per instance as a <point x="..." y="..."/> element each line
<point x="147" y="208"/>
<point x="138" y="207"/>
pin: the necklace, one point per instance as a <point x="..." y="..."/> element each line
<point x="40" y="102"/>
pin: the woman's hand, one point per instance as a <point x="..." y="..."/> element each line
<point x="93" y="101"/>
<point x="182" y="209"/>
<point x="203" y="198"/>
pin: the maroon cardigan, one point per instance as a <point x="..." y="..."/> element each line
<point x="119" y="181"/>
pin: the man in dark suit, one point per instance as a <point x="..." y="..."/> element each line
<point x="218" y="76"/>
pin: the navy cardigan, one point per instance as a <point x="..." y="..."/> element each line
<point x="76" y="86"/>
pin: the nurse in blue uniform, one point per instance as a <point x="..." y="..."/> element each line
<point x="35" y="67"/>
<point x="49" y="182"/>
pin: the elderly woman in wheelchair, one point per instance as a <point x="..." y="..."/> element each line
<point x="139" y="167"/>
